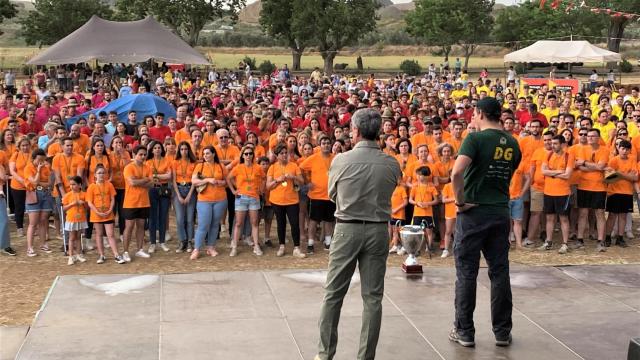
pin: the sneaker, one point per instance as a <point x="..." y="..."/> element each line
<point x="152" y="248"/>
<point x="181" y="248"/>
<point x="297" y="253"/>
<point x="45" y="248"/>
<point x="445" y="253"/>
<point x="20" y="232"/>
<point x="101" y="259"/>
<point x="620" y="242"/>
<point x="194" y="254"/>
<point x="607" y="241"/>
<point x="167" y="237"/>
<point x="394" y="249"/>
<point x="126" y="257"/>
<point x="527" y="242"/>
<point x="505" y="342"/>
<point x="142" y="254"/>
<point x="71" y="260"/>
<point x="248" y="241"/>
<point x="309" y="249"/>
<point x="402" y="251"/>
<point x="453" y="336"/>
<point x="234" y="251"/>
<point x="563" y="249"/>
<point x="31" y="252"/>
<point x="9" y="251"/>
<point x="120" y="260"/>
<point x="164" y="247"/>
<point x="81" y="258"/>
<point x="280" y="251"/>
<point x="546" y="246"/>
<point x="257" y="250"/>
<point x="268" y="243"/>
<point x="189" y="247"/>
<point x="600" y="247"/>
<point x="578" y="244"/>
<point x="629" y="234"/>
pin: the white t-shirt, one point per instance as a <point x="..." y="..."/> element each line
<point x="511" y="75"/>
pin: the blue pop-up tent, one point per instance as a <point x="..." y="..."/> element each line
<point x="143" y="104"/>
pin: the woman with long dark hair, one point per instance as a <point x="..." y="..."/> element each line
<point x="119" y="158"/>
<point x="184" y="199"/>
<point x="18" y="161"/>
<point x="159" y="194"/>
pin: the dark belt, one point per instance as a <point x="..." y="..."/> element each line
<point x="356" y="221"/>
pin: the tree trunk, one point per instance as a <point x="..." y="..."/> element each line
<point x="616" y="29"/>
<point x="446" y="49"/>
<point x="328" y="57"/>
<point x="297" y="55"/>
<point x="468" y="51"/>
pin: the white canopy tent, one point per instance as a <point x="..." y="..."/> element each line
<point x="548" y="51"/>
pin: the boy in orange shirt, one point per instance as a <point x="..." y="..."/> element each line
<point x="557" y="169"/>
<point x="75" y="206"/>
<point x="448" y="199"/>
<point x="423" y="196"/>
<point x="620" y="192"/>
<point x="398" y="202"/>
<point x="520" y="183"/>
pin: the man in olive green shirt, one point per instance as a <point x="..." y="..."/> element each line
<point x="361" y="182"/>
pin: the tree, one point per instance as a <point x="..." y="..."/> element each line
<point x="617" y="24"/>
<point x="333" y="24"/>
<point x="446" y="22"/>
<point x="186" y="18"/>
<point x="7" y="11"/>
<point x="516" y="24"/>
<point x="52" y="20"/>
<point x="276" y="19"/>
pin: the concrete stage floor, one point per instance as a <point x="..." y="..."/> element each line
<point x="579" y="312"/>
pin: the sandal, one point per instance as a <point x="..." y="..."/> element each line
<point x="212" y="252"/>
<point x="45" y="248"/>
<point x="31" y="252"/>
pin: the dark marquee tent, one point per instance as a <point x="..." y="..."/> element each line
<point x="120" y="42"/>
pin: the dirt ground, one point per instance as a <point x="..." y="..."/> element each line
<point x="25" y="281"/>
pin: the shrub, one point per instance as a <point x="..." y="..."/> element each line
<point x="411" y="67"/>
<point x="266" y="67"/>
<point x="250" y="61"/>
<point x="625" y="66"/>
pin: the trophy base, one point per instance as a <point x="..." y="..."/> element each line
<point x="412" y="269"/>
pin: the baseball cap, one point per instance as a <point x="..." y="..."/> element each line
<point x="490" y="106"/>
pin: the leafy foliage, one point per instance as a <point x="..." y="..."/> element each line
<point x="625" y="66"/>
<point x="250" y="61"/>
<point x="52" y="20"/>
<point x="276" y="19"/>
<point x="267" y="67"/>
<point x="7" y="11"/>
<point x="411" y="67"/>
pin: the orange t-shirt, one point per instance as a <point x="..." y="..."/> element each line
<point x="410" y="171"/>
<point x="622" y="186"/>
<point x="210" y="139"/>
<point x="54" y="149"/>
<point x="30" y="170"/>
<point x="284" y="193"/>
<point x="197" y="150"/>
<point x="450" y="207"/>
<point x="21" y="160"/>
<point x="576" y="174"/>
<point x="118" y="162"/>
<point x="68" y="166"/>
<point x="183" y="170"/>
<point x="92" y="162"/>
<point x="101" y="196"/>
<point x="419" y="139"/>
<point x="81" y="145"/>
<point x="77" y="213"/>
<point x="136" y="196"/>
<point x="4" y="161"/>
<point x="423" y="193"/>
<point x="444" y="169"/>
<point x="554" y="186"/>
<point x="593" y="180"/>
<point x="248" y="179"/>
<point x="517" y="180"/>
<point x="159" y="167"/>
<point x="398" y="198"/>
<point x="318" y="166"/>
<point x="536" y="160"/>
<point x="182" y="135"/>
<point x="231" y="153"/>
<point x="529" y="145"/>
<point x="216" y="171"/>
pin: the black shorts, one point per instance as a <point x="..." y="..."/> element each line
<point x="322" y="210"/>
<point x="398" y="222"/>
<point x="428" y="221"/>
<point x="591" y="199"/>
<point x="135" y="213"/>
<point x="107" y="222"/>
<point x="560" y="205"/>
<point x="620" y="203"/>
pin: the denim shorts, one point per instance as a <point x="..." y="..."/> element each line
<point x="245" y="203"/>
<point x="516" y="209"/>
<point x="45" y="202"/>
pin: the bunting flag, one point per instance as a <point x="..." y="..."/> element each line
<point x="555" y="4"/>
<point x="542" y="2"/>
<point x="571" y="5"/>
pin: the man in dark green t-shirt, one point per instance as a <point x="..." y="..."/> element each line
<point x="481" y="175"/>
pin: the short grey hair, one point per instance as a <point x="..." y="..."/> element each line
<point x="368" y="122"/>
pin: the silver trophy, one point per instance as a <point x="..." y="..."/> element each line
<point x="412" y="237"/>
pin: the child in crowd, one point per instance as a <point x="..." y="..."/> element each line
<point x="423" y="196"/>
<point x="448" y="199"/>
<point x="76" y="220"/>
<point x="399" y="201"/>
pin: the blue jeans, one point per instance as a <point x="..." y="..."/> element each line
<point x="209" y="216"/>
<point x="4" y="224"/>
<point x="185" y="214"/>
<point x="159" y="215"/>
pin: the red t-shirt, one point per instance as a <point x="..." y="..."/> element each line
<point x="159" y="133"/>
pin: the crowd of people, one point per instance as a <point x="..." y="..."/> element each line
<point x="234" y="157"/>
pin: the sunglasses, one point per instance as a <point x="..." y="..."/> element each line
<point x="223" y="137"/>
<point x="247" y="154"/>
<point x="623" y="133"/>
<point x="582" y="134"/>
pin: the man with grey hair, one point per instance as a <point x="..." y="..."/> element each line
<point x="361" y="182"/>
